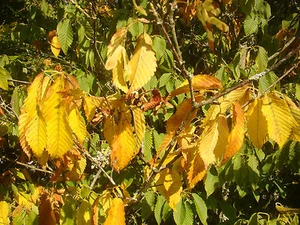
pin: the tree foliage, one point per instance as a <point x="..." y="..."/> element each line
<point x="149" y="112"/>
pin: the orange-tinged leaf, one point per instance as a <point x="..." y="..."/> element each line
<point x="200" y="82"/>
<point x="257" y="124"/>
<point x="77" y="124"/>
<point x="169" y="185"/>
<point x="46" y="211"/>
<point x="280" y="122"/>
<point x="116" y="214"/>
<point x="95" y="211"/>
<point x="196" y="169"/>
<point x="4" y="213"/>
<point x="59" y="134"/>
<point x="142" y="65"/>
<point x="236" y="136"/>
<point x="55" y="46"/>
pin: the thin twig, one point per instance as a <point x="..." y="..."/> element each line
<point x="81" y="9"/>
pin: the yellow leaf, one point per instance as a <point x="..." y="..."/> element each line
<point x="295" y="112"/>
<point x="21" y="127"/>
<point x="236" y="136"/>
<point x="280" y="122"/>
<point x="200" y="82"/>
<point x="139" y="125"/>
<point x="4" y="213"/>
<point x="116" y="40"/>
<point x="142" y="65"/>
<point x="119" y="134"/>
<point x="241" y="95"/>
<point x="59" y="134"/>
<point x="55" y="46"/>
<point x="116" y="214"/>
<point x="223" y="137"/>
<point x="121" y="59"/>
<point x="31" y="122"/>
<point x="77" y="124"/>
<point x="257" y="124"/>
<point x="207" y="143"/>
<point x="169" y="185"/>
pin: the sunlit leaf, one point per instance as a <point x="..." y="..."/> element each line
<point x="4" y="75"/>
<point x="65" y="34"/>
<point x="139" y="125"/>
<point x="59" y="134"/>
<point x="116" y="214"/>
<point x="201" y="208"/>
<point x="143" y="63"/>
<point x="279" y="121"/>
<point x="4" y="213"/>
<point x="257" y="124"/>
<point x="236" y="136"/>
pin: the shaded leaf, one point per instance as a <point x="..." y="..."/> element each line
<point x="46" y="210"/>
<point x="84" y="213"/>
<point x="55" y="46"/>
<point x="201" y="208"/>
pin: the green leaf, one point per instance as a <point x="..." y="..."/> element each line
<point x="159" y="46"/>
<point x="148" y="143"/>
<point x="250" y="25"/>
<point x="67" y="212"/>
<point x="135" y="28"/>
<point x="4" y="75"/>
<point x="81" y="33"/>
<point x="158" y="208"/>
<point x="164" y="79"/>
<point x="65" y="34"/>
<point x="201" y="208"/>
<point x="183" y="214"/>
<point x="83" y="213"/>
<point x="266" y="81"/>
<point x="148" y="204"/>
<point x="211" y="181"/>
<point x="261" y="59"/>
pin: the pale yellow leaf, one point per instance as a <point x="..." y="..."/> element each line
<point x="280" y="122"/>
<point x="257" y="124"/>
<point x="121" y="60"/>
<point x="116" y="40"/>
<point x="143" y="63"/>
<point x="4" y="213"/>
<point x="55" y="46"/>
<point x="77" y="124"/>
<point x="236" y="136"/>
<point x="116" y="214"/>
<point x="200" y="82"/>
<point x="59" y="134"/>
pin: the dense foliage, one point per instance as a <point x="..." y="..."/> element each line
<point x="149" y="112"/>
